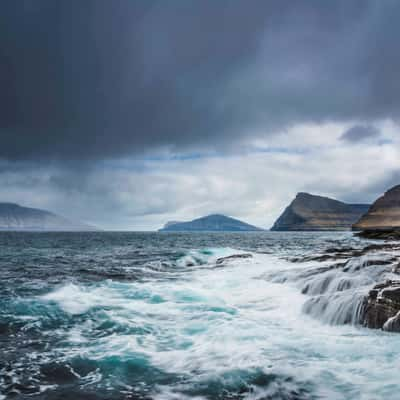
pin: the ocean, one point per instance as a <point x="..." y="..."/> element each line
<point x="121" y="315"/>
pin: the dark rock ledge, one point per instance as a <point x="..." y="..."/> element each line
<point x="346" y="253"/>
<point x="381" y="305"/>
<point x="382" y="310"/>
<point x="222" y="260"/>
<point x="384" y="234"/>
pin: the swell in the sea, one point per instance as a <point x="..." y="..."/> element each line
<point x="211" y="323"/>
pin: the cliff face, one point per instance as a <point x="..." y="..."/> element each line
<point x="384" y="214"/>
<point x="382" y="309"/>
<point x="308" y="212"/>
<point x="215" y="222"/>
<point x="16" y="217"/>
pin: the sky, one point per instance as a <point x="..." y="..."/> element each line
<point x="126" y="114"/>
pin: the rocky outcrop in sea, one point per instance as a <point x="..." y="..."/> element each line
<point x="352" y="285"/>
<point x="382" y="310"/>
<point x="357" y="285"/>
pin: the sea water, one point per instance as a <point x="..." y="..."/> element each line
<point x="113" y="315"/>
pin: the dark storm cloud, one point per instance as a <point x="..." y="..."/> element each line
<point x="377" y="189"/>
<point x="96" y="78"/>
<point x="358" y="133"/>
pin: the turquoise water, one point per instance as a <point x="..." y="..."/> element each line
<point x="154" y="316"/>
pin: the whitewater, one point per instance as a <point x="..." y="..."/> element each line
<point x="189" y="316"/>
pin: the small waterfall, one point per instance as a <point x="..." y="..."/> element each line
<point x="335" y="281"/>
<point x="338" y="292"/>
<point x="337" y="308"/>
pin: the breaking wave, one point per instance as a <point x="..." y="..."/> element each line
<point x="195" y="323"/>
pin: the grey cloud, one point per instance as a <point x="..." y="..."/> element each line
<point x="101" y="79"/>
<point x="359" y="133"/>
<point x="117" y="196"/>
<point x="378" y="188"/>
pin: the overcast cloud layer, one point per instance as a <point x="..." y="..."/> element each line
<point x="127" y="113"/>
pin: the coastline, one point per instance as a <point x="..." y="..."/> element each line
<point x="349" y="268"/>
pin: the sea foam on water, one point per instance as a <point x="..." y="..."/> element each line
<point x="246" y="328"/>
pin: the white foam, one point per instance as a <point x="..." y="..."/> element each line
<point x="205" y="256"/>
<point x="213" y="321"/>
<point x="74" y="299"/>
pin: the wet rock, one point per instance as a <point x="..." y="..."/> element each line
<point x="367" y="263"/>
<point x="380" y="234"/>
<point x="340" y="288"/>
<point x="392" y="324"/>
<point x="221" y="260"/>
<point x="380" y="247"/>
<point x="347" y="253"/>
<point x="396" y="268"/>
<point x="319" y="258"/>
<point x="347" y="250"/>
<point x="383" y="306"/>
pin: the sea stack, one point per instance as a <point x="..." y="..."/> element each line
<point x="383" y="218"/>
<point x="309" y="212"/>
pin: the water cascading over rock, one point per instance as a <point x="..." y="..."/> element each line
<point x="345" y="291"/>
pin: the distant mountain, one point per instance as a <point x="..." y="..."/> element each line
<point x="214" y="222"/>
<point x="169" y="223"/>
<point x="15" y="217"/>
<point x="384" y="214"/>
<point x="308" y="212"/>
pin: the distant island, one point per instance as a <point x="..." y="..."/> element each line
<point x="14" y="217"/>
<point x="211" y="223"/>
<point x="309" y="212"/>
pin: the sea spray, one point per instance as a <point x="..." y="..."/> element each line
<point x="154" y="316"/>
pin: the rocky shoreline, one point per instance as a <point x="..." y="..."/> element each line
<point x="358" y="286"/>
<point x="382" y="309"/>
<point x="355" y="270"/>
<point x="389" y="234"/>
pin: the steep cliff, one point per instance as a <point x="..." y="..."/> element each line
<point x="384" y="214"/>
<point x="308" y="212"/>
